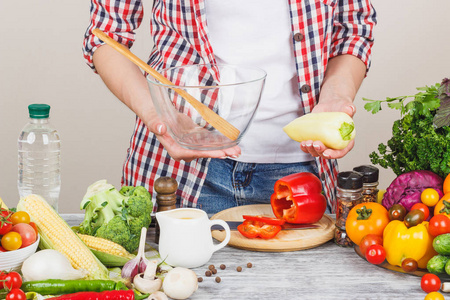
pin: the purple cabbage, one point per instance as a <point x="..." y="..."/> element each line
<point x="407" y="187"/>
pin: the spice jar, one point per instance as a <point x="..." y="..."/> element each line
<point x="349" y="193"/>
<point x="370" y="182"/>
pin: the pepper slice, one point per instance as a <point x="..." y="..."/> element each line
<point x="264" y="219"/>
<point x="298" y="198"/>
<point x="253" y="229"/>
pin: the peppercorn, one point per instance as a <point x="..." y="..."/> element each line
<point x="249" y="265"/>
<point x="200" y="279"/>
<point x="211" y="267"/>
<point x="222" y="267"/>
<point x="208" y="273"/>
<point x="218" y="279"/>
<point x="214" y="271"/>
<point x="239" y="269"/>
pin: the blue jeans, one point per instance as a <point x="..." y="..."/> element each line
<point x="230" y="183"/>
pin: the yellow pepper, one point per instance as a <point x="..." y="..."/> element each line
<point x="401" y="242"/>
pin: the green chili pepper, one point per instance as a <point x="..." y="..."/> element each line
<point x="59" y="286"/>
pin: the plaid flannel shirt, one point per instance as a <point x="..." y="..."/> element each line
<point x="321" y="29"/>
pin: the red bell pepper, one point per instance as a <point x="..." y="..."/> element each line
<point x="264" y="219"/>
<point x="298" y="198"/>
<point x="253" y="229"/>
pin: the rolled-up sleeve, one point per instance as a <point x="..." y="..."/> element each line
<point x="353" y="29"/>
<point x="119" y="19"/>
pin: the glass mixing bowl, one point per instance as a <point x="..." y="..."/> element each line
<point x="232" y="91"/>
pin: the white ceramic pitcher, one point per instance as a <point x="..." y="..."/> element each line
<point x="185" y="237"/>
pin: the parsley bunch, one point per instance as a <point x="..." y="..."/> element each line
<point x="421" y="138"/>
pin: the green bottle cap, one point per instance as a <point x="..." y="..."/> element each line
<point x="39" y="111"/>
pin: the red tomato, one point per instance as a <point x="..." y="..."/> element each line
<point x="369" y="240"/>
<point x="32" y="224"/>
<point x="375" y="254"/>
<point x="12" y="280"/>
<point x="422" y="207"/>
<point x="5" y="221"/>
<point x="27" y="233"/>
<point x="16" y="294"/>
<point x="439" y="224"/>
<point x="430" y="283"/>
<point x="266" y="220"/>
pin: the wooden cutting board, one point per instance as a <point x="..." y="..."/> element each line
<point x="286" y="240"/>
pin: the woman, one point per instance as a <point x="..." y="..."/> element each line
<point x="315" y="52"/>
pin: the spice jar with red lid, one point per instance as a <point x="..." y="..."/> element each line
<point x="348" y="193"/>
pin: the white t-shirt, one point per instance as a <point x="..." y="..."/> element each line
<point x="258" y="33"/>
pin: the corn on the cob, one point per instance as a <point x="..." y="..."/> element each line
<point x="56" y="234"/>
<point x="104" y="245"/>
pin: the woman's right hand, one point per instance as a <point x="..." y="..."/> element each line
<point x="179" y="153"/>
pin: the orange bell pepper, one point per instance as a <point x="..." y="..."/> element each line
<point x="401" y="242"/>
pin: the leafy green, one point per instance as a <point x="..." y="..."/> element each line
<point x="417" y="143"/>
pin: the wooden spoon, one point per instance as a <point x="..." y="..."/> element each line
<point x="219" y="123"/>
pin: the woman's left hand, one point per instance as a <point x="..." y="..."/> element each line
<point x="317" y="148"/>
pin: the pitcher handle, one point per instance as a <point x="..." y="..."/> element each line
<point x="227" y="231"/>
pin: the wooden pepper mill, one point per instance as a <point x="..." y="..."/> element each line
<point x="166" y="199"/>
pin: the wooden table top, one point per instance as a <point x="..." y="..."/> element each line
<point x="325" y="272"/>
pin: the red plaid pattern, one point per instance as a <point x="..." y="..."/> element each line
<point x="179" y="30"/>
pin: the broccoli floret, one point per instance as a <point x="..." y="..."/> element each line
<point x="116" y="215"/>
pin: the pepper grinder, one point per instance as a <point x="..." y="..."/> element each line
<point x="166" y="198"/>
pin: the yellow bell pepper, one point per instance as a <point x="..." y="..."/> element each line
<point x="401" y="242"/>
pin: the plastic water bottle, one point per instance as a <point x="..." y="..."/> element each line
<point x="39" y="157"/>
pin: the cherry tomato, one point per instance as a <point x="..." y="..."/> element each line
<point x="32" y="224"/>
<point x="266" y="220"/>
<point x="16" y="294"/>
<point x="20" y="217"/>
<point x="434" y="296"/>
<point x="5" y="221"/>
<point x="423" y="208"/>
<point x="375" y="254"/>
<point x="439" y="224"/>
<point x="11" y="280"/>
<point x="414" y="217"/>
<point x="409" y="265"/>
<point x="27" y="233"/>
<point x="429" y="197"/>
<point x="397" y="212"/>
<point x="11" y="241"/>
<point x="369" y="240"/>
<point x="430" y="283"/>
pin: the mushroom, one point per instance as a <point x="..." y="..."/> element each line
<point x="157" y="296"/>
<point x="180" y="283"/>
<point x="147" y="282"/>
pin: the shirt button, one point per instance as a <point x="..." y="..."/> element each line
<point x="322" y="176"/>
<point x="298" y="37"/>
<point x="305" y="88"/>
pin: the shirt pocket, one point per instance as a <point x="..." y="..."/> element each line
<point x="331" y="3"/>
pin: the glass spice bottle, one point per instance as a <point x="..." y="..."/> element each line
<point x="370" y="182"/>
<point x="349" y="193"/>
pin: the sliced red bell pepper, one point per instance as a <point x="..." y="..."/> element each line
<point x="264" y="219"/>
<point x="298" y="198"/>
<point x="253" y="229"/>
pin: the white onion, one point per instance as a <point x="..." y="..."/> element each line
<point x="50" y="264"/>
